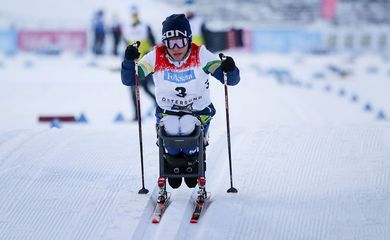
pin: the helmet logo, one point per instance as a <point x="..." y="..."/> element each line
<point x="174" y="33"/>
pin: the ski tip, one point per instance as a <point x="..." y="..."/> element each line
<point x="154" y="220"/>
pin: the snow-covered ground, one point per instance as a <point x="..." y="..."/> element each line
<point x="310" y="147"/>
<point x="309" y="162"/>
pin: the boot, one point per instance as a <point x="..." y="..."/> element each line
<point x="202" y="194"/>
<point x="162" y="194"/>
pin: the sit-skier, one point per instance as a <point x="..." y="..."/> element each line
<point x="181" y="72"/>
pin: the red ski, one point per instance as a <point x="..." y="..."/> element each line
<point x="163" y="201"/>
<point x="160" y="209"/>
<point x="201" y="200"/>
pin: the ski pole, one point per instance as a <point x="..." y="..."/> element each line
<point x="143" y="190"/>
<point x="231" y="189"/>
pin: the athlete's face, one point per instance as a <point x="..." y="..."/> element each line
<point x="177" y="47"/>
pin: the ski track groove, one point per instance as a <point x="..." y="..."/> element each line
<point x="219" y="180"/>
<point x="145" y="218"/>
<point x="250" y="224"/>
<point x="221" y="175"/>
<point x="245" y="225"/>
<point x="90" y="196"/>
<point x="99" y="206"/>
<point x="95" y="221"/>
<point x="16" y="144"/>
<point x="22" y="182"/>
<point x="184" y="221"/>
<point x="16" y="153"/>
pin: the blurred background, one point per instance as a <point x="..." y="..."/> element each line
<point x="309" y="120"/>
<point x="254" y="25"/>
<point x="52" y="50"/>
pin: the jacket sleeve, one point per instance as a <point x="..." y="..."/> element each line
<point x="145" y="68"/>
<point x="128" y="73"/>
<point x="214" y="68"/>
<point x="212" y="65"/>
<point x="233" y="78"/>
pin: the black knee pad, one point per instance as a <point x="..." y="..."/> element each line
<point x="191" y="181"/>
<point x="174" y="182"/>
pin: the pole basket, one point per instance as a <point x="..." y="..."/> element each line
<point x="232" y="190"/>
<point x="145" y="191"/>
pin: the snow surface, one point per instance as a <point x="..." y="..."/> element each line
<point x="309" y="161"/>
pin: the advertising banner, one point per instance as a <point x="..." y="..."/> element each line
<point x="7" y="41"/>
<point x="328" y="9"/>
<point x="285" y="41"/>
<point x="74" y="41"/>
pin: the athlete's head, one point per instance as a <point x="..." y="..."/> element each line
<point x="177" y="35"/>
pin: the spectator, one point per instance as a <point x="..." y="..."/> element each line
<point x="116" y="31"/>
<point x="99" y="32"/>
<point x="139" y="31"/>
<point x="198" y="27"/>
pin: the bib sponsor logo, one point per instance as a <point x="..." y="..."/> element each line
<point x="179" y="77"/>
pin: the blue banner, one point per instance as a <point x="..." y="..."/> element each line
<point x="8" y="41"/>
<point x="286" y="41"/>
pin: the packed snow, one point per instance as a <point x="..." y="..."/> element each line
<point x="310" y="152"/>
<point x="308" y="161"/>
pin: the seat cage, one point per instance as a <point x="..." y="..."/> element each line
<point x="184" y="166"/>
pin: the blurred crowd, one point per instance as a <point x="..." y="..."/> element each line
<point x="117" y="34"/>
<point x="113" y="37"/>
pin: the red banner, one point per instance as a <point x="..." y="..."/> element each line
<point x="328" y="10"/>
<point x="75" y="41"/>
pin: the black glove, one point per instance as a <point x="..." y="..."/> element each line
<point x="228" y="65"/>
<point x="132" y="53"/>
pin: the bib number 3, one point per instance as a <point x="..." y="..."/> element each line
<point x="181" y="92"/>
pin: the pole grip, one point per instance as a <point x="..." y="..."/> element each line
<point x="137" y="44"/>
<point x="222" y="56"/>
